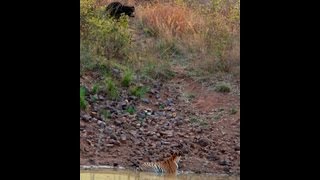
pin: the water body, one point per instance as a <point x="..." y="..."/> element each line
<point x="112" y="174"/>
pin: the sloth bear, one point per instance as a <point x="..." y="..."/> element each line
<point x="115" y="9"/>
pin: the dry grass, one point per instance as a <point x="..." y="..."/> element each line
<point x="169" y="20"/>
<point x="106" y="2"/>
<point x="209" y="36"/>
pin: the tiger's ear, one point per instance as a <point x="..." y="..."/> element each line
<point x="175" y="153"/>
<point x="178" y="153"/>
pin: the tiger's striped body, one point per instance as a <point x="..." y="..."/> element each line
<point x="169" y="166"/>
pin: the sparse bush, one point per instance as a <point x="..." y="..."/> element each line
<point x="83" y="102"/>
<point x="108" y="37"/>
<point x="223" y="87"/>
<point x="87" y="9"/>
<point x="95" y="89"/>
<point x="131" y="110"/>
<point x="127" y="78"/>
<point x="112" y="89"/>
<point x="105" y="36"/>
<point x="105" y="114"/>
<point x="139" y="91"/>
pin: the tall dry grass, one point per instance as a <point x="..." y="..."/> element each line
<point x="210" y="34"/>
<point x="169" y="20"/>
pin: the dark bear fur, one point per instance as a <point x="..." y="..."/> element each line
<point x="115" y="9"/>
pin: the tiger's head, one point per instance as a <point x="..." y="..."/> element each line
<point x="176" y="156"/>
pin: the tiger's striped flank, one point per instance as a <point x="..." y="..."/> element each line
<point x="168" y="166"/>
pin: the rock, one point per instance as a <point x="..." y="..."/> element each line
<point x="212" y="157"/>
<point x="168" y="133"/>
<point x="145" y="100"/>
<point x="123" y="105"/>
<point x="133" y="133"/>
<point x="179" y="122"/>
<point x="175" y="145"/>
<point x="154" y="91"/>
<point x="153" y="145"/>
<point x="86" y="117"/>
<point x="117" y="143"/>
<point x="114" y="115"/>
<point x="141" y="115"/>
<point x="132" y="98"/>
<point x="223" y="162"/>
<point x="92" y="161"/>
<point x="170" y="100"/>
<point x="203" y="142"/>
<point x="123" y="138"/>
<point x="101" y="124"/>
<point x="108" y="130"/>
<point x="109" y="145"/>
<point x="198" y="131"/>
<point x="115" y="71"/>
<point x="115" y="164"/>
<point x="185" y="150"/>
<point x="113" y="136"/>
<point x="117" y="122"/>
<point x="154" y="138"/>
<point x="226" y="169"/>
<point x="165" y="142"/>
<point x="161" y="113"/>
<point x="101" y="97"/>
<point x="138" y="143"/>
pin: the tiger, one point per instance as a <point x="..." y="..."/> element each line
<point x="168" y="166"/>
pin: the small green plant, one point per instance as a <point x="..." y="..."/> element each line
<point x="105" y="114"/>
<point x="131" y="110"/>
<point x="158" y="70"/>
<point x="161" y="106"/>
<point x="203" y="123"/>
<point x="223" y="87"/>
<point x="190" y="96"/>
<point x="95" y="89"/>
<point x="127" y="78"/>
<point x="87" y="59"/>
<point x="194" y="120"/>
<point x="83" y="102"/>
<point x="233" y="111"/>
<point x="199" y="121"/>
<point x="95" y="98"/>
<point x="139" y="91"/>
<point x="217" y="117"/>
<point x="112" y="89"/>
